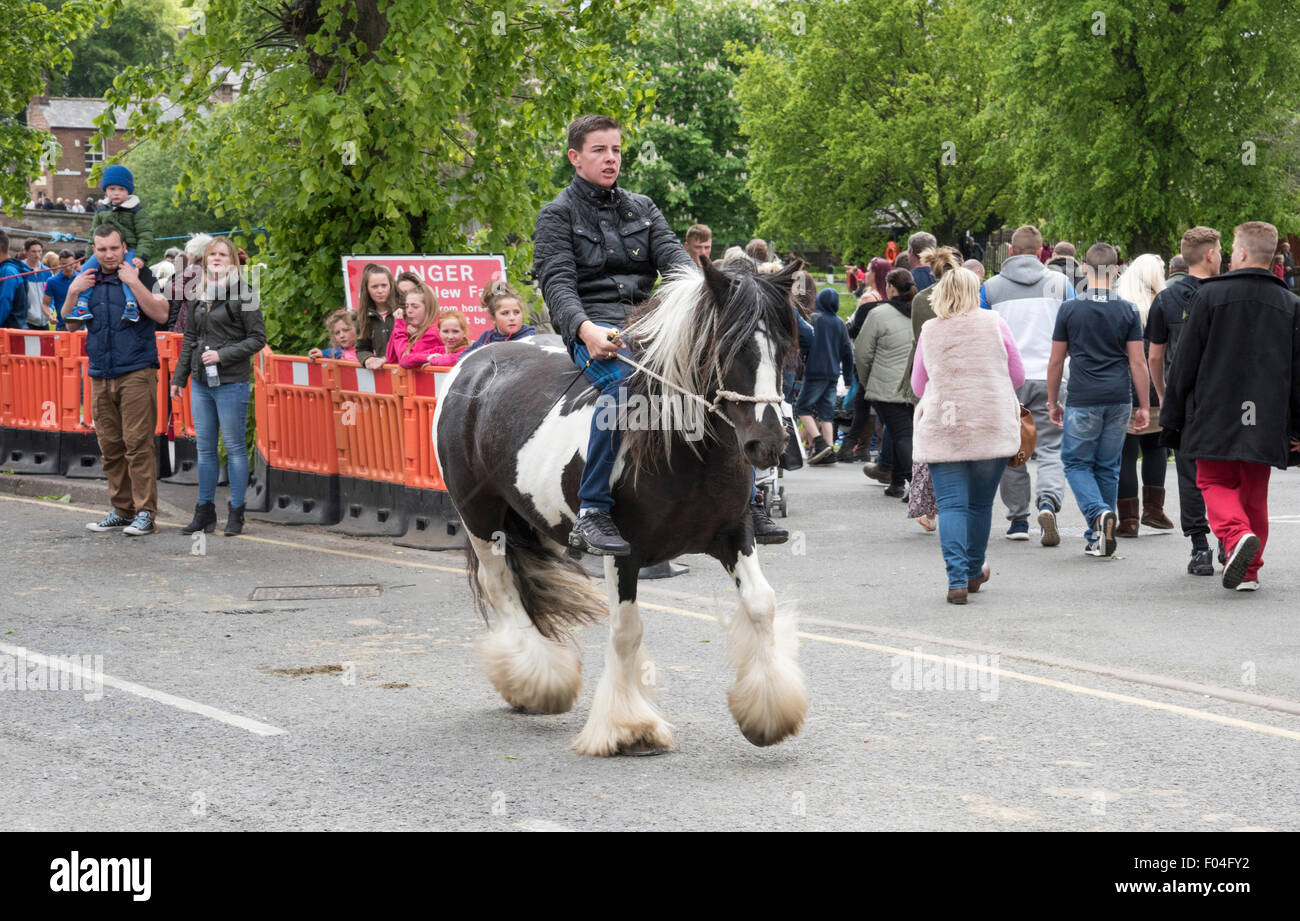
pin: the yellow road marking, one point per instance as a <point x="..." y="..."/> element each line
<point x="834" y="640"/>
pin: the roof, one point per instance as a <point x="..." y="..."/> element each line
<point x="71" y="112"/>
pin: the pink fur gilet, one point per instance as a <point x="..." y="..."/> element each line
<point x="969" y="410"/>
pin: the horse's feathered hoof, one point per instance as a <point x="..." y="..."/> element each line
<point x="642" y="748"/>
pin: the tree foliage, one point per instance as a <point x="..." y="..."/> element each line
<point x="689" y="155"/>
<point x="172" y="208"/>
<point x="32" y="48"/>
<point x="125" y="33"/>
<point x="870" y="113"/>
<point x="382" y="126"/>
<point x="1130" y="122"/>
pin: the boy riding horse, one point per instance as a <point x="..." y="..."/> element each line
<point x="597" y="252"/>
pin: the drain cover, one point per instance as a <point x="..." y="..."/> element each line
<point x="313" y="592"/>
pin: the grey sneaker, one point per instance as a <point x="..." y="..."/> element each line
<point x="111" y="522"/>
<point x="1047" y="521"/>
<point x="140" y="525"/>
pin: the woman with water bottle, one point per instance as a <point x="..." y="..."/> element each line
<point x="225" y="330"/>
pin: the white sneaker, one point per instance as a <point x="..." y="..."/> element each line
<point x="1250" y="585"/>
<point x="1234" y="571"/>
<point x="1094" y="549"/>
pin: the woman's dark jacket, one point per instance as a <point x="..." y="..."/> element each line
<point x="226" y="318"/>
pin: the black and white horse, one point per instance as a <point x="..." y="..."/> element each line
<point x="511" y="430"/>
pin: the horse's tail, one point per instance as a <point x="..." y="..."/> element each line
<point x="555" y="590"/>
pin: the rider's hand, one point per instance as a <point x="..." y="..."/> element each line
<point x="596" y="339"/>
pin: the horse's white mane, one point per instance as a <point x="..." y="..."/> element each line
<point x="674" y="339"/>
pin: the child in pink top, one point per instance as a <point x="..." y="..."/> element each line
<point x="453" y="327"/>
<point x="342" y="327"/>
<point x="415" y="335"/>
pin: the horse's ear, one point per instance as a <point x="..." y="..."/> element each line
<point x="785" y="277"/>
<point x="718" y="283"/>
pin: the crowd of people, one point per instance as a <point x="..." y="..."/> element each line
<point x="1098" y="368"/>
<point x="948" y="361"/>
<point x="42" y="202"/>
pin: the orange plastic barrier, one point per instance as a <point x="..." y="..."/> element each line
<point x="295" y="394"/>
<point x="368" y="421"/>
<point x="419" y="400"/>
<point x="31" y="371"/>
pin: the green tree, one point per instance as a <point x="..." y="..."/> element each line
<point x="1130" y="122"/>
<point x="128" y="32"/>
<point x="173" y="209"/>
<point x="867" y="114"/>
<point x="689" y="155"/>
<point x="32" y="50"/>
<point x="382" y="126"/>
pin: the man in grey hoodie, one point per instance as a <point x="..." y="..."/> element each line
<point x="1028" y="296"/>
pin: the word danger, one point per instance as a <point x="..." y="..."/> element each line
<point x="445" y="274"/>
<point x="103" y="874"/>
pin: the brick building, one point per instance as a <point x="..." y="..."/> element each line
<point x="71" y="121"/>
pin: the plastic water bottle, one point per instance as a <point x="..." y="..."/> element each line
<point x="213" y="374"/>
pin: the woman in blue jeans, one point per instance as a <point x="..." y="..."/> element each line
<point x="967" y="423"/>
<point x="225" y="329"/>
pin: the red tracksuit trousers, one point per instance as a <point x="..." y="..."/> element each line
<point x="1236" y="502"/>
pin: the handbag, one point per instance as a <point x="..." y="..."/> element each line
<point x="1028" y="439"/>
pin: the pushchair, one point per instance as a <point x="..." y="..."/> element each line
<point x="768" y="482"/>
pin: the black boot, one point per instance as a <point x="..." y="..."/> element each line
<point x="205" y="519"/>
<point x="235" y="521"/>
<point x="765" y="529"/>
<point x="595" y="532"/>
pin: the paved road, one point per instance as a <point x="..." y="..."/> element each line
<point x="1124" y="694"/>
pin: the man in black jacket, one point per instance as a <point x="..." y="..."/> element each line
<point x="597" y="252"/>
<point x="1166" y="321"/>
<point x="1233" y="400"/>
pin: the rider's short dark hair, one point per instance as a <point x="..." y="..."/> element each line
<point x="584" y="125"/>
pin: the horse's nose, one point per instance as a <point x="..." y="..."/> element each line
<point x="762" y="452"/>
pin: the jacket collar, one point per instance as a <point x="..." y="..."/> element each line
<point x="131" y="201"/>
<point x="1251" y="272"/>
<point x="593" y="193"/>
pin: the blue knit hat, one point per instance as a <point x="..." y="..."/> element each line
<point x="117" y="174"/>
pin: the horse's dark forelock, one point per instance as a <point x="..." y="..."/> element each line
<point x="730" y="327"/>
<point x="753" y="300"/>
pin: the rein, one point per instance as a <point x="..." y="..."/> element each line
<point x="722" y="396"/>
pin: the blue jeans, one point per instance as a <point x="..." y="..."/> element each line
<point x="963" y="493"/>
<point x="224" y="407"/>
<point x="607" y="375"/>
<point x="1091" y="447"/>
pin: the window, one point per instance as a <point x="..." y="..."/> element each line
<point x="94" y="155"/>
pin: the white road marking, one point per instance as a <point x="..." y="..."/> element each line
<point x="130" y="687"/>
<point x="541" y="825"/>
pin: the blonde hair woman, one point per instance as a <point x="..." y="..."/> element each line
<point x="967" y="422"/>
<point x="1139" y="285"/>
<point x="224" y="331"/>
